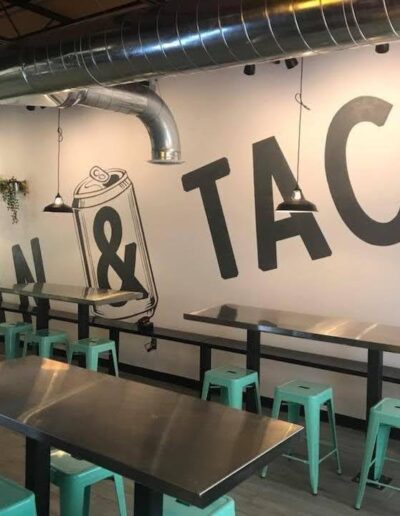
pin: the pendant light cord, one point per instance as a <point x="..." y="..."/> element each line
<point x="60" y="138"/>
<point x="299" y="100"/>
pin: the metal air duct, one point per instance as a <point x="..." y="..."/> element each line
<point x="189" y="35"/>
<point x="138" y="100"/>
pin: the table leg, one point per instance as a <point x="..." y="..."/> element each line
<point x="147" y="502"/>
<point x="374" y="395"/>
<point x="42" y="317"/>
<point x="37" y="473"/>
<point x="114" y="335"/>
<point x="83" y="321"/>
<point x="205" y="362"/>
<point x="83" y="329"/>
<point x="374" y="378"/>
<point x="253" y="363"/>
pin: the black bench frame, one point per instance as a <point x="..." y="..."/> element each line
<point x="206" y="344"/>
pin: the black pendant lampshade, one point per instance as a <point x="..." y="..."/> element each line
<point x="297" y="202"/>
<point x="58" y="206"/>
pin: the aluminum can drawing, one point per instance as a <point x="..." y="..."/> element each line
<point x="112" y="242"/>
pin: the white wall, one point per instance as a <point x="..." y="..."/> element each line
<point x="222" y="113"/>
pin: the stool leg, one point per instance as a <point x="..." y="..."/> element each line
<point x="257" y="397"/>
<point x="120" y="493"/>
<point x="9" y="344"/>
<point x="372" y="434"/>
<point x="312" y="412"/>
<point x="115" y="361"/>
<point x="293" y="412"/>
<point x="224" y="396"/>
<point x="332" y="423"/>
<point x="45" y="349"/>
<point x="86" y="501"/>
<point x="92" y="360"/>
<point x="205" y="389"/>
<point x="275" y="413"/>
<point x="73" y="499"/>
<point x="235" y="396"/>
<point x="27" y="340"/>
<point x="382" y="440"/>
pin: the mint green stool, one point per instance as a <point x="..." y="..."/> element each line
<point x="384" y="416"/>
<point x="92" y="347"/>
<point x="16" y="500"/>
<point x="224" y="506"/>
<point x="12" y="333"/>
<point x="232" y="380"/>
<point x="312" y="396"/>
<point x="45" y="340"/>
<point x="74" y="478"/>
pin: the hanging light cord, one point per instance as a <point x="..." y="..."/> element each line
<point x="60" y="139"/>
<point x="299" y="100"/>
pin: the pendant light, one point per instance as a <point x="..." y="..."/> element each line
<point x="58" y="206"/>
<point x="297" y="202"/>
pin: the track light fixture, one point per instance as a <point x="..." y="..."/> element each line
<point x="250" y="69"/>
<point x="382" y="49"/>
<point x="291" y="63"/>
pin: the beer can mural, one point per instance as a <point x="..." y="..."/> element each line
<point x="112" y="241"/>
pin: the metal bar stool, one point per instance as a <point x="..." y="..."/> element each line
<point x="45" y="340"/>
<point x="16" y="500"/>
<point x="12" y="333"/>
<point x="312" y="396"/>
<point x="384" y="416"/>
<point x="92" y="347"/>
<point x="74" y="478"/>
<point x="233" y="381"/>
<point x="224" y="506"/>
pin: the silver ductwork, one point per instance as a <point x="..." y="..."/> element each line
<point x="189" y="35"/>
<point x="137" y="100"/>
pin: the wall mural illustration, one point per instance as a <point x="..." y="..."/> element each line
<point x="112" y="242"/>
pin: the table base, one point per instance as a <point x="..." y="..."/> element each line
<point x="147" y="502"/>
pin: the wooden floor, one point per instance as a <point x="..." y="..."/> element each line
<point x="284" y="492"/>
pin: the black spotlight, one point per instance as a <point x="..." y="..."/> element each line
<point x="250" y="69"/>
<point x="382" y="49"/>
<point x="291" y="63"/>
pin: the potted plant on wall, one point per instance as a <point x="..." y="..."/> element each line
<point x="10" y="189"/>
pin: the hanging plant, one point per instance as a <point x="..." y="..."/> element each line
<point x="9" y="190"/>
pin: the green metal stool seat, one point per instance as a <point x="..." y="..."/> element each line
<point x="312" y="396"/>
<point x="12" y="333"/>
<point x="74" y="478"/>
<point x="45" y="340"/>
<point x="233" y="381"/>
<point x="92" y="347"/>
<point x="384" y="416"/>
<point x="224" y="506"/>
<point x="15" y="500"/>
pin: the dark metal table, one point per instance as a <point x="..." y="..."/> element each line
<point x="376" y="338"/>
<point x="84" y="297"/>
<point x="166" y="442"/>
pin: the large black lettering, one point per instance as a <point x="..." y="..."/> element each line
<point x="361" y="109"/>
<point x="23" y="273"/>
<point x="270" y="163"/>
<point x="205" y="179"/>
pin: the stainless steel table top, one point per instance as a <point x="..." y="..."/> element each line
<point x="338" y="330"/>
<point x="70" y="293"/>
<point x="173" y="443"/>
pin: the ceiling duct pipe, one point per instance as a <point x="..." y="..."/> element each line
<point x="136" y="99"/>
<point x="189" y="35"/>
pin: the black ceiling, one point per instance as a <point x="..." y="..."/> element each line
<point x="22" y="18"/>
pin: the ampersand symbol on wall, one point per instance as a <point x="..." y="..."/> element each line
<point x="109" y="258"/>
